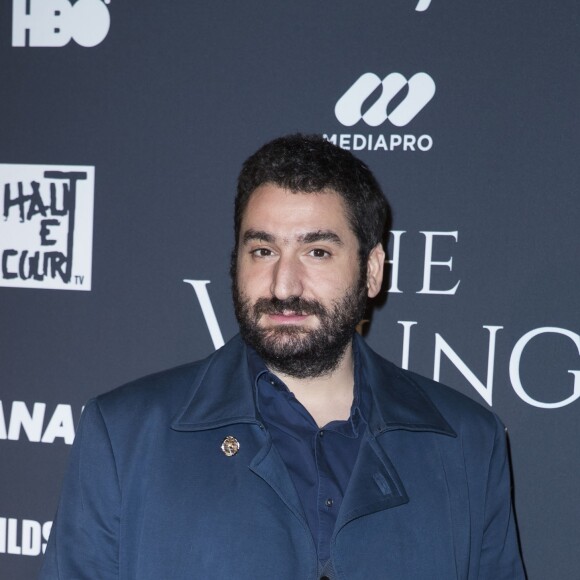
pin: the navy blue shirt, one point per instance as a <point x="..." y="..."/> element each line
<point x="319" y="460"/>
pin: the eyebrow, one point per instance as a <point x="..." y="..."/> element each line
<point x="258" y="235"/>
<point x="308" y="238"/>
<point x="321" y="236"/>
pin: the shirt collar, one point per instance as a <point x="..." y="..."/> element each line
<point x="360" y="408"/>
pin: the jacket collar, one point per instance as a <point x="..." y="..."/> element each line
<point x="398" y="401"/>
<point x="222" y="394"/>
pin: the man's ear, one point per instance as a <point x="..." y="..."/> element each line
<point x="375" y="269"/>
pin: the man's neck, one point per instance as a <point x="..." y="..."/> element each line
<point x="328" y="397"/>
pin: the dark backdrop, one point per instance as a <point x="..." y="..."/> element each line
<point x="123" y="127"/>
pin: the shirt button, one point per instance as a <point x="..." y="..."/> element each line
<point x="328" y="502"/>
<point x="321" y="433"/>
<point x="324" y="578"/>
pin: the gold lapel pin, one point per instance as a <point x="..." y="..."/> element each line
<point x="230" y="446"/>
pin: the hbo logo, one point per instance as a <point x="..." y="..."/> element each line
<point x="56" y="22"/>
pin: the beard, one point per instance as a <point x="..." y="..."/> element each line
<point x="296" y="351"/>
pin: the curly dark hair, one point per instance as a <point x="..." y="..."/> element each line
<point x="309" y="164"/>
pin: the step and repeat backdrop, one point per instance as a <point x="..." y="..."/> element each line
<point x="123" y="126"/>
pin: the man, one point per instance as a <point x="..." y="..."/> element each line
<point x="294" y="452"/>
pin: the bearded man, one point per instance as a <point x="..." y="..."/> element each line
<point x="294" y="452"/>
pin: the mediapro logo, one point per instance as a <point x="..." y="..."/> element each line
<point x="421" y="89"/>
<point x="46" y="226"/>
<point x="422" y="5"/>
<point x="374" y="101"/>
<point x="53" y="23"/>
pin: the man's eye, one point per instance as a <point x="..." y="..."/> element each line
<point x="318" y="253"/>
<point x="261" y="252"/>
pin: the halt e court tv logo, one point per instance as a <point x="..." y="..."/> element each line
<point x="46" y="226"/>
<point x="53" y="23"/>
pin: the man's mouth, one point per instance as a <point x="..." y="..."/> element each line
<point x="290" y="312"/>
<point x="287" y="317"/>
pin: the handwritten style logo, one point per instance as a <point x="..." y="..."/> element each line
<point x="46" y="226"/>
<point x="420" y="90"/>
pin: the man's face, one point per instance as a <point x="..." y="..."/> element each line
<point x="298" y="288"/>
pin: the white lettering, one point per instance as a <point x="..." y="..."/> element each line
<point x="23" y="536"/>
<point x="429" y="262"/>
<point x="20" y="418"/>
<point x="344" y="141"/>
<point x="46" y="528"/>
<point x="45" y="23"/>
<point x="61" y="424"/>
<point x="485" y="390"/>
<point x="394" y="288"/>
<point x="53" y="23"/>
<point x="395" y="141"/>
<point x="200" y="287"/>
<point x="3" y="434"/>
<point x="425" y="142"/>
<point x="381" y="143"/>
<point x="359" y="142"/>
<point x="406" y="341"/>
<point x="409" y="142"/>
<point x="422" y="5"/>
<point x="31" y="535"/>
<point x="13" y="547"/>
<point x="515" y="360"/>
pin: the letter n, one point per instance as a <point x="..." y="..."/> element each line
<point x="485" y="390"/>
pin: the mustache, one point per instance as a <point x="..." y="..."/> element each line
<point x="294" y="303"/>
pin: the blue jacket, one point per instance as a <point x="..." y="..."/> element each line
<point x="149" y="494"/>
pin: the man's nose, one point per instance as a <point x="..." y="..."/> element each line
<point x="287" y="278"/>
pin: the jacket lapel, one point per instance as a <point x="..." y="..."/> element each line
<point x="268" y="465"/>
<point x="398" y="404"/>
<point x="224" y="395"/>
<point x="374" y="484"/>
